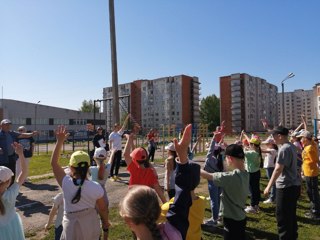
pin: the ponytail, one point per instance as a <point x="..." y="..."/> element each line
<point x="153" y="228"/>
<point x="81" y="171"/>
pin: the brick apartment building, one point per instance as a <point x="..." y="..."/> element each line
<point x="153" y="103"/>
<point x="245" y="100"/>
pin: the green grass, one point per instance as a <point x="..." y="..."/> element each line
<point x="259" y="226"/>
<point x="40" y="164"/>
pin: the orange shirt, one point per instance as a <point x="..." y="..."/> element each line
<point x="310" y="158"/>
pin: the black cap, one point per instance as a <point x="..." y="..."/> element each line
<point x="280" y="130"/>
<point x="235" y="150"/>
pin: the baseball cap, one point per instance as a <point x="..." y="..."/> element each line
<point x="269" y="140"/>
<point x="170" y="147"/>
<point x="139" y="154"/>
<point x="245" y="142"/>
<point x="235" y="150"/>
<point x="280" y="130"/>
<point x="305" y="134"/>
<point x="79" y="157"/>
<point x="5" y="121"/>
<point x="5" y="174"/>
<point x="100" y="153"/>
<point x="255" y="140"/>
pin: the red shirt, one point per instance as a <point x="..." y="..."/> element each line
<point x="142" y="176"/>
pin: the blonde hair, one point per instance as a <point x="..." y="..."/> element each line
<point x="141" y="206"/>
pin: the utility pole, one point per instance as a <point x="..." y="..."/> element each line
<point x="115" y="93"/>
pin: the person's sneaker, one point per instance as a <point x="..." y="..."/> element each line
<point x="210" y="222"/>
<point x="113" y="178"/>
<point x="118" y="178"/>
<point x="269" y="201"/>
<point x="250" y="209"/>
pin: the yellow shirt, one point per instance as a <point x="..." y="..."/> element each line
<point x="310" y="158"/>
<point x="196" y="216"/>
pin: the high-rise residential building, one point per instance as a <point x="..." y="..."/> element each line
<point x="297" y="103"/>
<point x="154" y="103"/>
<point x="316" y="100"/>
<point x="245" y="100"/>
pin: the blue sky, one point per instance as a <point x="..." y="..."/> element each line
<point x="58" y="51"/>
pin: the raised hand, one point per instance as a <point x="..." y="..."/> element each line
<point x="182" y="146"/>
<point x="61" y="133"/>
<point x="18" y="148"/>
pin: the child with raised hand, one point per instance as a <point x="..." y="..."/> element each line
<point x="140" y="209"/>
<point x="187" y="179"/>
<point x="213" y="163"/>
<point x="271" y="152"/>
<point x="141" y="171"/>
<point x="253" y="162"/>
<point x="234" y="184"/>
<point x="100" y="172"/>
<point x="10" y="223"/>
<point x="81" y="196"/>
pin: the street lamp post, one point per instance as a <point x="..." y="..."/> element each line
<point x="35" y="115"/>
<point x="290" y="75"/>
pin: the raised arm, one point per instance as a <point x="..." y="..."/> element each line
<point x="125" y="123"/>
<point x="245" y="135"/>
<point x="61" y="135"/>
<point x="182" y="146"/>
<point x="303" y="118"/>
<point x="197" y="142"/>
<point x="24" y="168"/>
<point x="127" y="148"/>
<point x="28" y="135"/>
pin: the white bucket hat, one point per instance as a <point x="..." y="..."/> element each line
<point x="5" y="174"/>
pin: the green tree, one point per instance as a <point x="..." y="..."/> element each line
<point x="87" y="106"/>
<point x="210" y="111"/>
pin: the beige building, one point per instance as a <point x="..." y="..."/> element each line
<point x="297" y="103"/>
<point x="245" y="100"/>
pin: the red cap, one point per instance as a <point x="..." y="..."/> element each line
<point x="139" y="154"/>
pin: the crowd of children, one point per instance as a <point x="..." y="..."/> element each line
<point x="232" y="171"/>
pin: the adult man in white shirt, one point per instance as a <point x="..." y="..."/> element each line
<point x="116" y="146"/>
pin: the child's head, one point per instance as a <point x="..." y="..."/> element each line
<point x="79" y="165"/>
<point x="140" y="156"/>
<point x="141" y="206"/>
<point x="270" y="143"/>
<point x="5" y="180"/>
<point x="255" y="141"/>
<point x="100" y="155"/>
<point x="234" y="156"/>
<point x="171" y="150"/>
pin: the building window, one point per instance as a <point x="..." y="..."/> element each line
<point x="28" y="121"/>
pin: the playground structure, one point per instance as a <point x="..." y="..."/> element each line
<point x="165" y="135"/>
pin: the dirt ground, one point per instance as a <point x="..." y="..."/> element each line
<point x="35" y="201"/>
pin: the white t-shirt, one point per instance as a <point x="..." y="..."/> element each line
<point x="115" y="138"/>
<point x="94" y="174"/>
<point x="269" y="158"/>
<point x="90" y="193"/>
<point x="58" y="203"/>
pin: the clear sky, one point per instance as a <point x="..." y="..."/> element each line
<point x="58" y="51"/>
